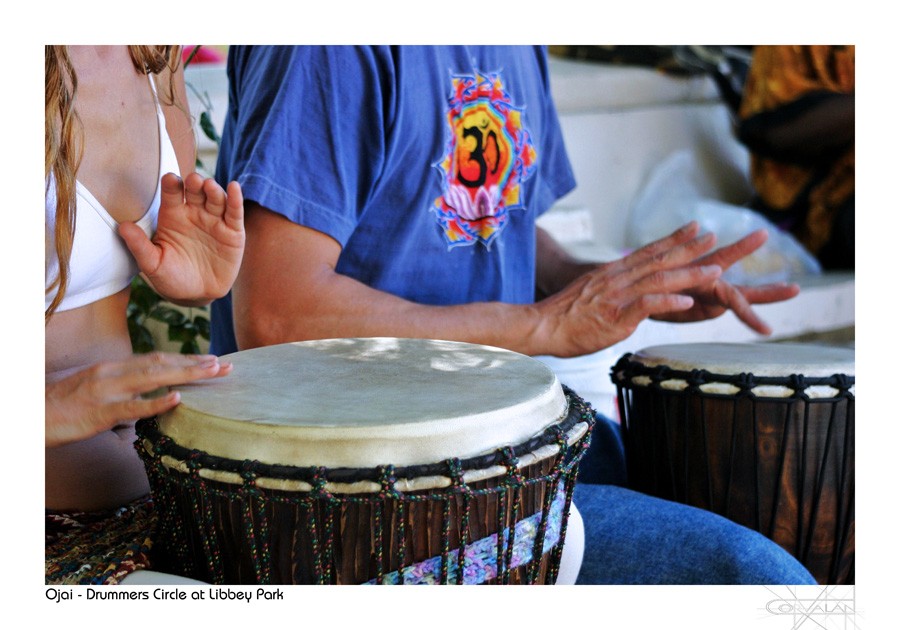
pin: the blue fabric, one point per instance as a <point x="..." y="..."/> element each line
<point x="632" y="538"/>
<point x="428" y="164"/>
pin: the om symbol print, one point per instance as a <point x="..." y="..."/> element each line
<point x="487" y="157"/>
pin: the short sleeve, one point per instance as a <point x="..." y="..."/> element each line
<point x="304" y="133"/>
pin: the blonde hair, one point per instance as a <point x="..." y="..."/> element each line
<point x="63" y="143"/>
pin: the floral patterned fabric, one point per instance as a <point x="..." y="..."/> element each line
<point x="98" y="547"/>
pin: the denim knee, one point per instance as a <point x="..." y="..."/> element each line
<point x="632" y="538"/>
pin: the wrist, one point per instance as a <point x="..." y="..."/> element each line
<point x="540" y="325"/>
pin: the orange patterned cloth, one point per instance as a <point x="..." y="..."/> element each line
<point x="98" y="547"/>
<point x="780" y="76"/>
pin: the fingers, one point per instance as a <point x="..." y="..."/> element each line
<point x="654" y="260"/>
<point x="194" y="193"/>
<point x="675" y="280"/>
<point x="214" y="198"/>
<point x="145" y="407"/>
<point x="682" y="235"/>
<point x="730" y="254"/>
<point x="660" y="292"/>
<point x="234" y="207"/>
<point x="740" y="299"/>
<point x="146" y="254"/>
<point x="142" y="374"/>
<point x="171" y="190"/>
<point x="770" y="293"/>
<point x="730" y="297"/>
<point x="646" y="306"/>
<point x="207" y="194"/>
<point x="96" y="399"/>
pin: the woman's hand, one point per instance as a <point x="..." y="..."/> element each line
<point x="104" y="395"/>
<point x="195" y="254"/>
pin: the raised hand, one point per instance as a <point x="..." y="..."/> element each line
<point x="104" y="395"/>
<point x="676" y="278"/>
<point x="196" y="252"/>
<point x="712" y="299"/>
<point x="605" y="305"/>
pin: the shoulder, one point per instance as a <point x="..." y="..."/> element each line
<point x="245" y="63"/>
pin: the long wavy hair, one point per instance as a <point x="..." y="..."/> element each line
<point x="63" y="145"/>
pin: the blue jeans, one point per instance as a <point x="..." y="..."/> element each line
<point x="632" y="538"/>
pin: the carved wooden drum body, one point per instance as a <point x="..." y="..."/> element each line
<point x="350" y="461"/>
<point x="762" y="434"/>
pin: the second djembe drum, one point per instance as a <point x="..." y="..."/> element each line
<point x="762" y="434"/>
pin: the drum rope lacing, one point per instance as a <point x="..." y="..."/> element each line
<point x="744" y="381"/>
<point x="812" y="476"/>
<point x="153" y="446"/>
<point x="163" y="445"/>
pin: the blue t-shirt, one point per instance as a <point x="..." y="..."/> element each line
<point x="428" y="164"/>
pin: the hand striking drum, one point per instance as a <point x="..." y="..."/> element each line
<point x="350" y="461"/>
<point x="762" y="434"/>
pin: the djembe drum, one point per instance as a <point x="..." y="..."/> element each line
<point x="762" y="434"/>
<point x="351" y="461"/>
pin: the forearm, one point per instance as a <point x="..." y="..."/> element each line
<point x="329" y="305"/>
<point x="288" y="290"/>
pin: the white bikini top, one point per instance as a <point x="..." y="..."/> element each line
<point x="100" y="264"/>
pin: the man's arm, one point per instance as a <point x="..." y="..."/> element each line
<point x="288" y="290"/>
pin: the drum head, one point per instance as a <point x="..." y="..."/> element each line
<point x="760" y="359"/>
<point x="367" y="402"/>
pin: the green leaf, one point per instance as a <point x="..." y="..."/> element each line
<point x="184" y="334"/>
<point x="202" y="326"/>
<point x="143" y="297"/>
<point x="209" y="129"/>
<point x="190" y="347"/>
<point x="132" y="312"/>
<point x="142" y="340"/>
<point x="169" y="315"/>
